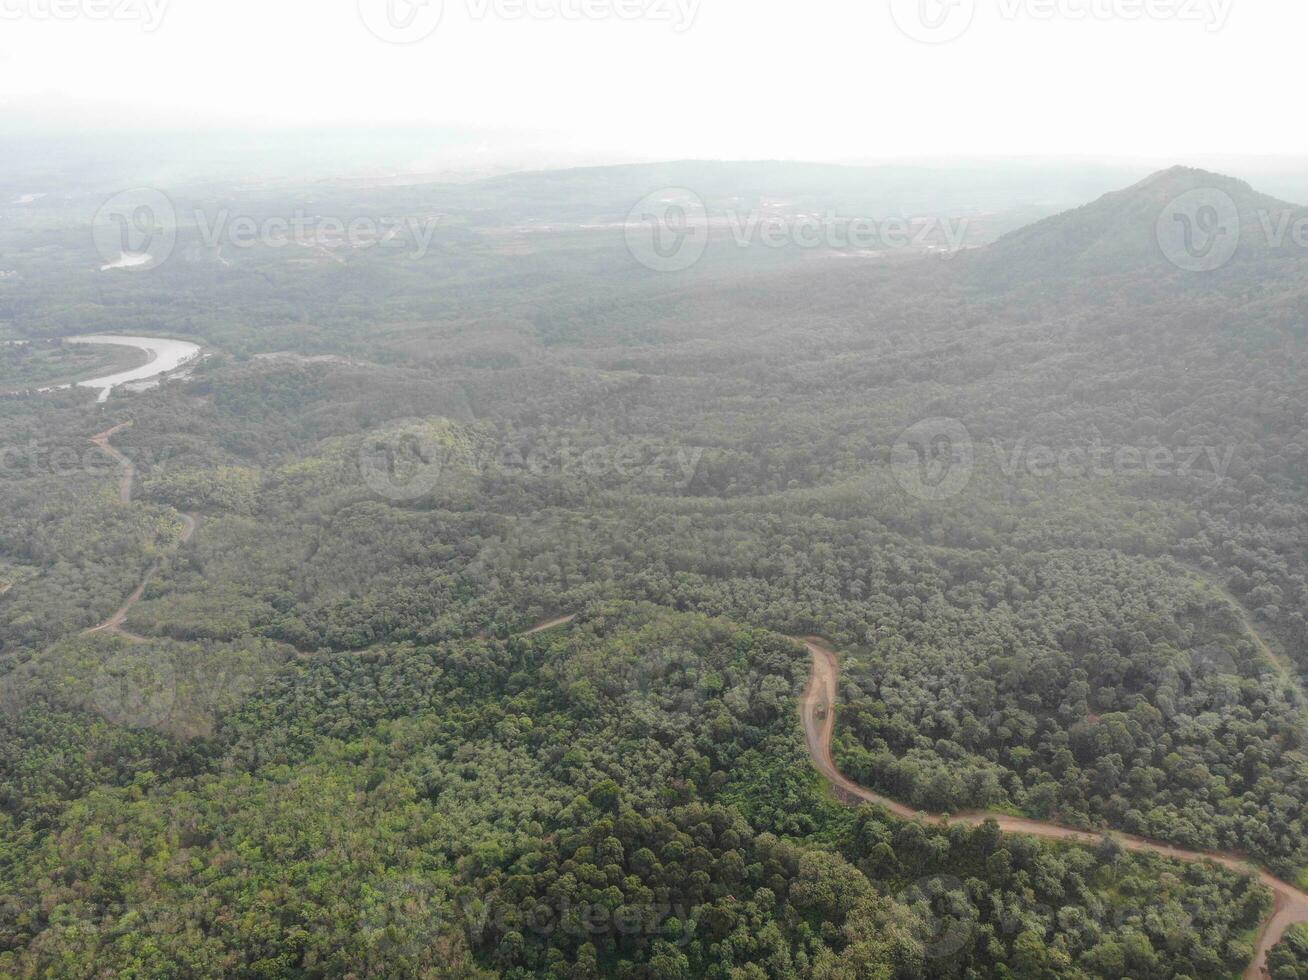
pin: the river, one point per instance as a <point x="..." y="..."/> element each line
<point x="163" y="356"/>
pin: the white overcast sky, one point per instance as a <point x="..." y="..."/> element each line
<point x="814" y="79"/>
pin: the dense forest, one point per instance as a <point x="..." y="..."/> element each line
<point x="322" y="746"/>
<point x="1289" y="959"/>
<point x="626" y="798"/>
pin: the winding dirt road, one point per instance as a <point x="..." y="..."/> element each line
<point x="816" y="709"/>
<point x="114" y="624"/>
<point x="818" y="714"/>
<point x="129" y="468"/>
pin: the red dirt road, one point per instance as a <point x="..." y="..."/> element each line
<point x="818" y="715"/>
<point x="817" y="712"/>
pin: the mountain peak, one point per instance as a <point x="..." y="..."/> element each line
<point x="1181" y="170"/>
<point x="1118" y="233"/>
<point x="1180" y="179"/>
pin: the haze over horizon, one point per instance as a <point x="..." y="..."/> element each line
<point x="627" y="80"/>
<point x="653" y="490"/>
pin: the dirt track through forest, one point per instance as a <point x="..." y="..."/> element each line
<point x="818" y="714"/>
<point x="114" y="624"/>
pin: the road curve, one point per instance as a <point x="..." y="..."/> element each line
<point x="114" y="624"/>
<point x="101" y="440"/>
<point x="1291" y="904"/>
<point x="817" y="712"/>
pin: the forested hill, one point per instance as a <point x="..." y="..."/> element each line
<point x="1057" y="525"/>
<point x="1118" y="235"/>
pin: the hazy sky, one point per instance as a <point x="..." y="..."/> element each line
<point x="817" y="79"/>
